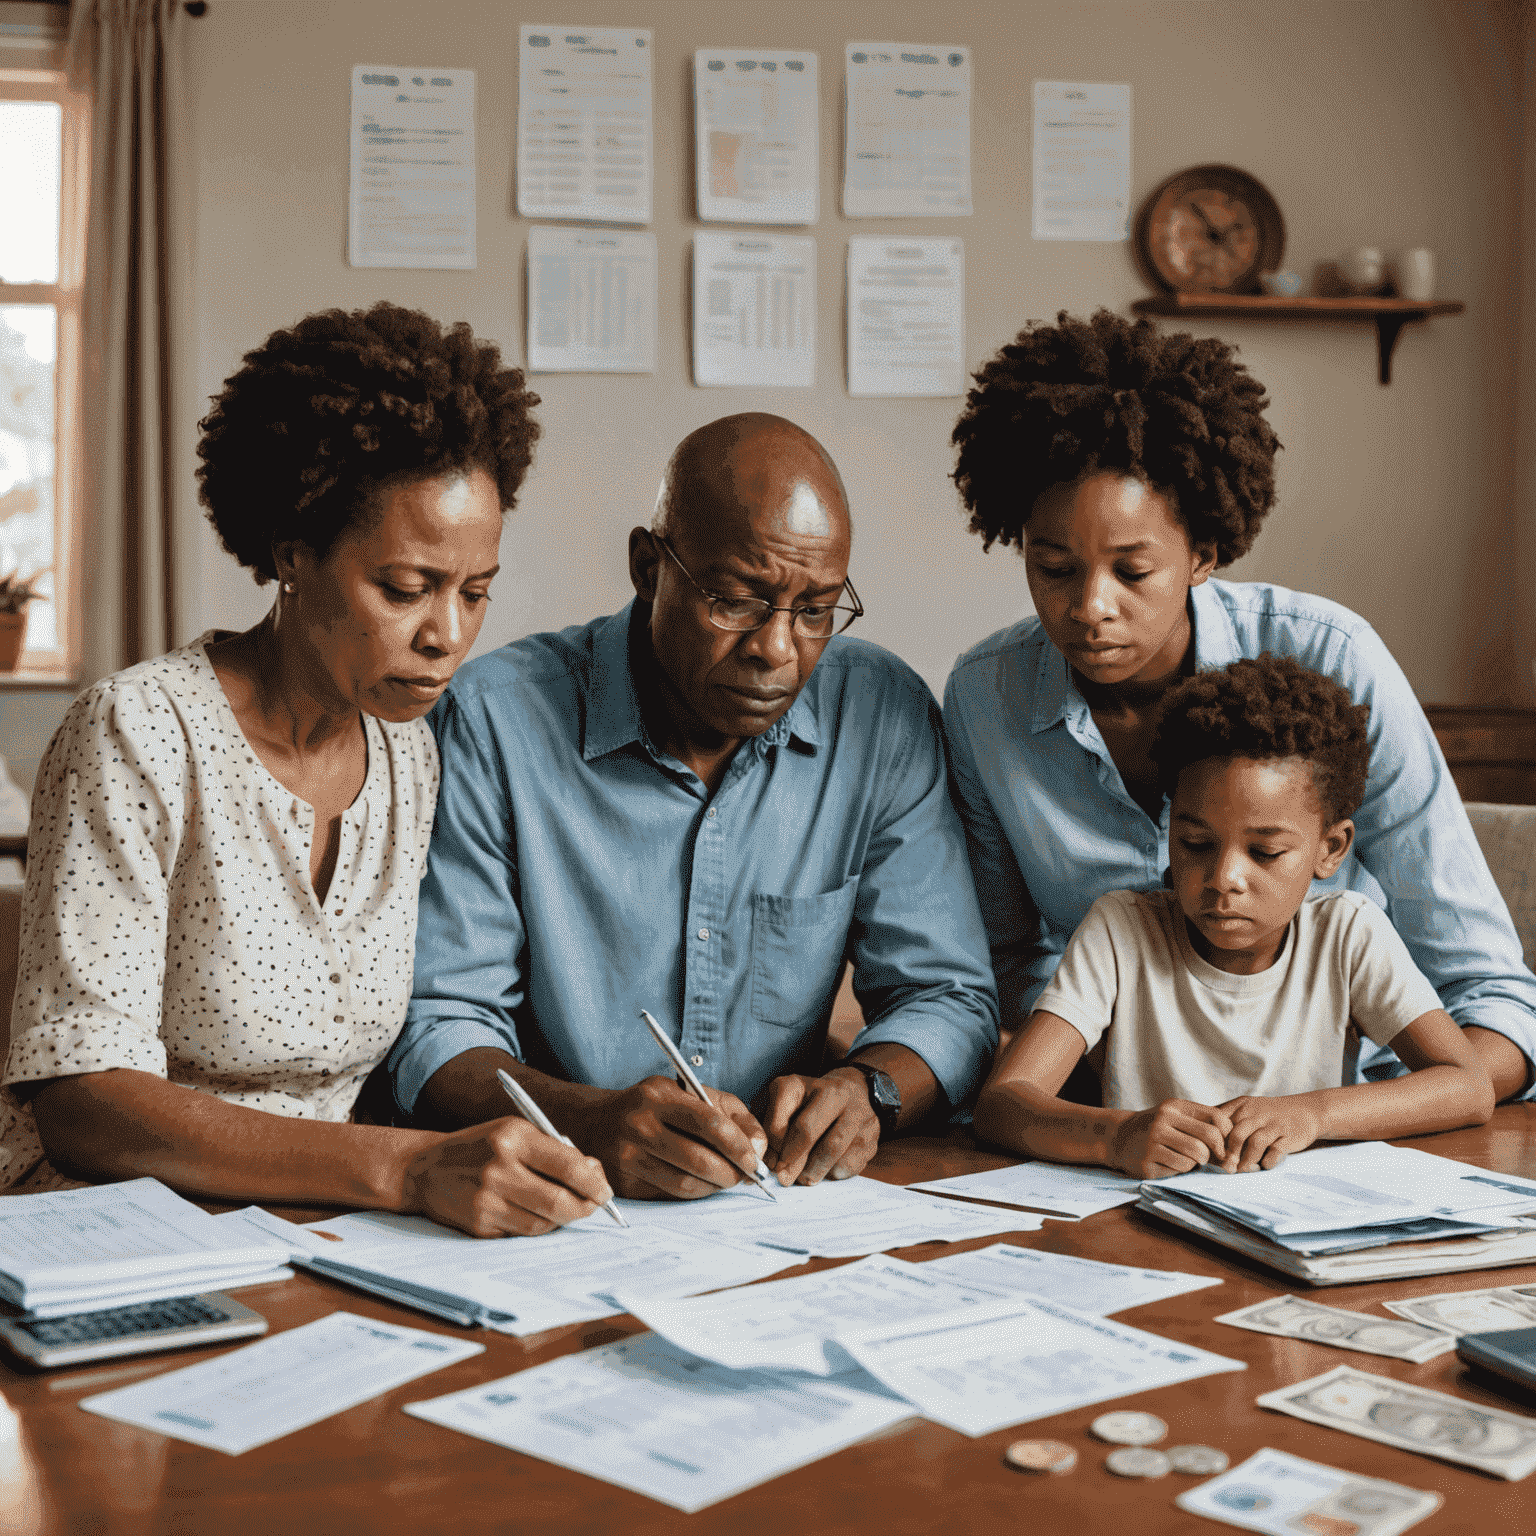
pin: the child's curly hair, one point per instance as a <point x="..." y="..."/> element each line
<point x="324" y="414"/>
<point x="1064" y="401"/>
<point x="1264" y="709"/>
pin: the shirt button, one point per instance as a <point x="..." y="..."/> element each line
<point x="710" y="813"/>
<point x="698" y="1061"/>
<point x="704" y="934"/>
<point x="335" y="977"/>
<point x="338" y="1018"/>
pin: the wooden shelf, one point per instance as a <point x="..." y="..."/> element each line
<point x="1389" y="315"/>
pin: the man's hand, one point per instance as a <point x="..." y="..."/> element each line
<point x="1173" y="1137"/>
<point x="1265" y="1130"/>
<point x="820" y="1126"/>
<point x="503" y="1178"/>
<point x="657" y="1141"/>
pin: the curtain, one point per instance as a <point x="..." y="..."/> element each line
<point x="126" y="53"/>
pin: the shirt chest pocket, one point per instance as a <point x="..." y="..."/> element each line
<point x="797" y="954"/>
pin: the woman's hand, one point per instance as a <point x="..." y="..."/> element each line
<point x="501" y="1179"/>
<point x="1264" y="1131"/>
<point x="1173" y="1137"/>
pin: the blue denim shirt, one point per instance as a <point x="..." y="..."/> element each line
<point x="1051" y="826"/>
<point x="578" y="873"/>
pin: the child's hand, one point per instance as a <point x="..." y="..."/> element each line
<point x="1265" y="1130"/>
<point x="1174" y="1137"/>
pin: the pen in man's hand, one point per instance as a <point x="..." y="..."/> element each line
<point x="536" y="1117"/>
<point x="762" y="1177"/>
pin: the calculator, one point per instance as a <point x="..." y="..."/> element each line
<point x="137" y="1330"/>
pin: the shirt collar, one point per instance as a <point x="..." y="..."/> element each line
<point x="613" y="702"/>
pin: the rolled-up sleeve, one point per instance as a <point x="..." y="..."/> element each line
<point x="469" y="935"/>
<point x="919" y="948"/>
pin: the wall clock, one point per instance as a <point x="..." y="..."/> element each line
<point x="1210" y="229"/>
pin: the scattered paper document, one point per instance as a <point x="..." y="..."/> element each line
<point x="1294" y="1317"/>
<point x="794" y="1324"/>
<point x="646" y="1416"/>
<point x="267" y="1390"/>
<point x="836" y="1219"/>
<point x="1082" y="161"/>
<point x="413" y="168"/>
<point x="591" y="301"/>
<point x="1014" y="1361"/>
<point x="1459" y="1312"/>
<point x="1280" y="1494"/>
<point x="755" y="136"/>
<point x="112" y="1245"/>
<point x="584" y="124"/>
<point x="1063" y="1188"/>
<point x="907" y="149"/>
<point x="906" y="317"/>
<point x="523" y="1285"/>
<point x="1413" y="1419"/>
<point x="1084" y="1284"/>
<point x="754" y="309"/>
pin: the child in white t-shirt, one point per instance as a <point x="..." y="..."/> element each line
<point x="1218" y="1012"/>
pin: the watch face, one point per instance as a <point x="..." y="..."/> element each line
<point x="1212" y="229"/>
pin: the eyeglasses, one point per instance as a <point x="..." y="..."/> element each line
<point x="741" y="614"/>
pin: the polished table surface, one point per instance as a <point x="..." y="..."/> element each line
<point x="375" y="1469"/>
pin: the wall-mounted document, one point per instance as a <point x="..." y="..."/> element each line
<point x="754" y="309"/>
<point x="907" y="118"/>
<point x="412" y="200"/>
<point x="906" y="317"/>
<point x="591" y="301"/>
<point x="584" y="124"/>
<point x="1082" y="161"/>
<point x="754" y="114"/>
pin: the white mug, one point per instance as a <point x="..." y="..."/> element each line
<point x="1363" y="269"/>
<point x="1416" y="275"/>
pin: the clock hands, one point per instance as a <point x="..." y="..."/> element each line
<point x="1219" y="236"/>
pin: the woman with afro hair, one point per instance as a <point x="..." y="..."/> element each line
<point x="1127" y="466"/>
<point x="226" y="842"/>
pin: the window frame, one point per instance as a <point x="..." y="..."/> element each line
<point x="60" y="664"/>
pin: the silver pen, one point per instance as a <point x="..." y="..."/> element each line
<point x="762" y="1178"/>
<point x="536" y="1117"/>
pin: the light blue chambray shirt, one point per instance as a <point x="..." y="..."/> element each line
<point x="1051" y="826"/>
<point x="577" y="874"/>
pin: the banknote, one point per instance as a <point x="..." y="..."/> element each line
<point x="1282" y="1495"/>
<point x="1413" y="1419"/>
<point x="1459" y="1312"/>
<point x="1294" y="1317"/>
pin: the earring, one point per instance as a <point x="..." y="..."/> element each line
<point x="288" y="587"/>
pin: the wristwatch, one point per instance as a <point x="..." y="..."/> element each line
<point x="884" y="1095"/>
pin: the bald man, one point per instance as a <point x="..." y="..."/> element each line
<point x="702" y="806"/>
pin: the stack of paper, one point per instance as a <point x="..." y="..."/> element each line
<point x="113" y="1245"/>
<point x="1366" y="1211"/>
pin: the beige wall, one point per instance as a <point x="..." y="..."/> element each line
<point x="1392" y="123"/>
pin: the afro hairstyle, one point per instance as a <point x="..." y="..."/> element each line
<point x="1061" y="402"/>
<point x="1266" y="709"/>
<point x="327" y="413"/>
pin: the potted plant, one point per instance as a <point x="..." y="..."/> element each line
<point x="15" y="593"/>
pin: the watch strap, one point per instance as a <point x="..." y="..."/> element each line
<point x="884" y="1095"/>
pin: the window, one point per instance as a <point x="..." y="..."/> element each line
<point x="42" y="245"/>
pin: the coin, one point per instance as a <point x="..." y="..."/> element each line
<point x="1040" y="1456"/>
<point x="1136" y="1461"/>
<point x="1129" y="1428"/>
<point x="1202" y="1460"/>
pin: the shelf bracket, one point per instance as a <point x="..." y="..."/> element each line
<point x="1387" y="328"/>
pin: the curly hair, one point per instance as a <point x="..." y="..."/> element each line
<point x="325" y="414"/>
<point x="1064" y="401"/>
<point x="1264" y="709"/>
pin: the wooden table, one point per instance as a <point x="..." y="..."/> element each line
<point x="375" y="1470"/>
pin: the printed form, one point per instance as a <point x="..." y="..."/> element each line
<point x="906" y="317"/>
<point x="754" y="309"/>
<point x="1082" y="187"/>
<point x="907" y="148"/>
<point x="1086" y="1284"/>
<point x="412" y="199"/>
<point x="591" y="301"/>
<point x="584" y="124"/>
<point x="258" y="1394"/>
<point x="1063" y="1188"/>
<point x="643" y="1415"/>
<point x="755" y="136"/>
